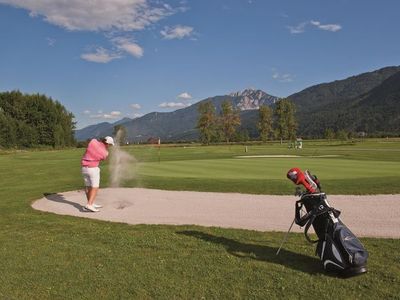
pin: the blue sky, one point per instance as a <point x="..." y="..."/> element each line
<point x="109" y="59"/>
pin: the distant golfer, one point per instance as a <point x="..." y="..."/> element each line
<point x="95" y="152"/>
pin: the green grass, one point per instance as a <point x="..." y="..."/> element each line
<point x="260" y="175"/>
<point x="50" y="256"/>
<point x="359" y="168"/>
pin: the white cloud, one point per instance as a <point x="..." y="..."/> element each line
<point x="108" y="116"/>
<point x="51" y="42"/>
<point x="328" y="27"/>
<point x="173" y="105"/>
<point x="100" y="55"/>
<point x="95" y="15"/>
<point x="86" y="112"/>
<point x="129" y="46"/>
<point x="283" y="77"/>
<point x="177" y="32"/>
<point x="133" y="49"/>
<point x="114" y="17"/>
<point x="135" y="106"/>
<point x="300" y="28"/>
<point x="121" y="45"/>
<point x="185" y="96"/>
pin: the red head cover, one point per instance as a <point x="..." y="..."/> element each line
<point x="298" y="177"/>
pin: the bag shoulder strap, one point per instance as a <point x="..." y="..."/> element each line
<point x="309" y="217"/>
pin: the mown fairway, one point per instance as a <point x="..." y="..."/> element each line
<point x="51" y="256"/>
<point x="353" y="168"/>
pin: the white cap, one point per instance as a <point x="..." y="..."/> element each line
<point x="109" y="140"/>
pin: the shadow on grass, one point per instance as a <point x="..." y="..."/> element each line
<point x="286" y="258"/>
<point x="61" y="199"/>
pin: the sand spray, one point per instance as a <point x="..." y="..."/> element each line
<point x="122" y="164"/>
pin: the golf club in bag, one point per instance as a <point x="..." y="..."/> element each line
<point x="338" y="248"/>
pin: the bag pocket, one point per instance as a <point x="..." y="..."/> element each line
<point x="352" y="249"/>
<point x="330" y="255"/>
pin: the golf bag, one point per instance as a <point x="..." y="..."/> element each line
<point x="338" y="248"/>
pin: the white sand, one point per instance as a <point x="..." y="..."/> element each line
<point x="373" y="216"/>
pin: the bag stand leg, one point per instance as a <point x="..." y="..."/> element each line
<point x="285" y="237"/>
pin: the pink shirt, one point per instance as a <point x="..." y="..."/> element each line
<point x="95" y="152"/>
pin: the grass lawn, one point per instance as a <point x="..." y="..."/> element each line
<point x="50" y="256"/>
<point x="361" y="168"/>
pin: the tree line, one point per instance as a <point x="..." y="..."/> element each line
<point x="273" y="123"/>
<point x="32" y="120"/>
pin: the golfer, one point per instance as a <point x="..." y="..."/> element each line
<point x="96" y="151"/>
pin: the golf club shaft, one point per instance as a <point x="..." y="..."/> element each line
<point x="285" y="238"/>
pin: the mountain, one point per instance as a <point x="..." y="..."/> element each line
<point x="318" y="96"/>
<point x="122" y="121"/>
<point x="356" y="104"/>
<point x="250" y="99"/>
<point x="334" y="105"/>
<point x="97" y="130"/>
<point x="381" y="107"/>
<point x="179" y="124"/>
<point x="375" y="112"/>
<point x="366" y="102"/>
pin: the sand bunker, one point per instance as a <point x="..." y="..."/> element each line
<point x="374" y="216"/>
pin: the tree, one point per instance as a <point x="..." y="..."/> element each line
<point x="7" y="131"/>
<point x="286" y="124"/>
<point x="265" y="122"/>
<point x="291" y="120"/>
<point x="29" y="120"/>
<point x="281" y="130"/>
<point x="229" y="120"/>
<point x="329" y="134"/>
<point x="206" y="122"/>
<point x="241" y="136"/>
<point x="342" y="135"/>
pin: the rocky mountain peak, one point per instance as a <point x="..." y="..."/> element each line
<point x="250" y="99"/>
<point x="248" y="92"/>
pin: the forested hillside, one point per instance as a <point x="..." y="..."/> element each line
<point x="375" y="113"/>
<point x="340" y="105"/>
<point x="34" y="120"/>
<point x="319" y="96"/>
